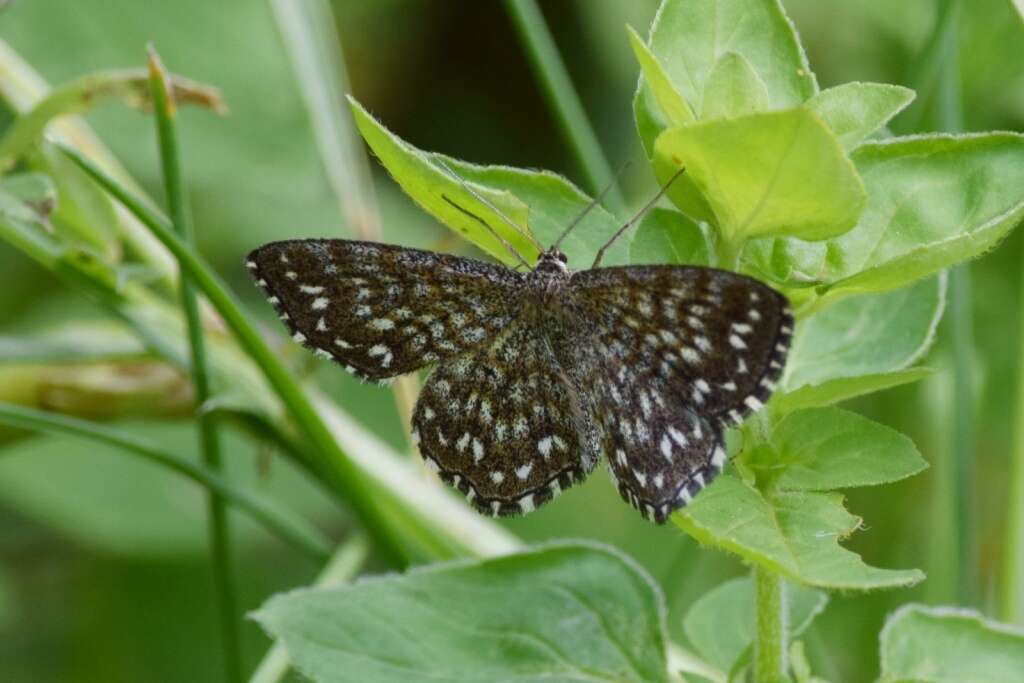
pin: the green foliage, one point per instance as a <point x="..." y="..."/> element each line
<point x="665" y="236"/>
<point x="855" y="111"/>
<point x="568" y="612"/>
<point x="773" y="173"/>
<point x="720" y="624"/>
<point x="949" y="645"/>
<point x="795" y="534"/>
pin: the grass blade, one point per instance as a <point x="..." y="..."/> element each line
<point x="282" y="523"/>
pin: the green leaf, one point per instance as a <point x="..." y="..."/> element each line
<point x="821" y="449"/>
<point x="949" y="645"/>
<point x="671" y="103"/>
<point x="843" y="389"/>
<point x="733" y="89"/>
<point x="667" y="236"/>
<point x="566" y="612"/>
<point x="866" y="335"/>
<point x="73" y="342"/>
<point x="720" y="624"/>
<point x="794" y="534"/>
<point x="933" y="201"/>
<point x="688" y="37"/>
<point x="554" y="203"/>
<point x="775" y="173"/>
<point x="856" y="110"/>
<point x="84" y="214"/>
<point x="541" y="204"/>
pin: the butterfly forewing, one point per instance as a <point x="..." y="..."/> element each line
<point x="502" y="425"/>
<point x="672" y="355"/>
<point x="382" y="310"/>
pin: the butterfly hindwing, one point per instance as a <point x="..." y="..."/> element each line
<point x="672" y="355"/>
<point x="382" y="310"/>
<point x="502" y="425"/>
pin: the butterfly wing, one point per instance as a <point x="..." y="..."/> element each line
<point x="382" y="310"/>
<point x="673" y="355"/>
<point x="503" y="425"/>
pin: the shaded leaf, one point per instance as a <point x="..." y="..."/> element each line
<point x="841" y="389"/>
<point x="856" y="110"/>
<point x="933" y="201"/>
<point x="949" y="645"/>
<point x="567" y="612"/>
<point x="775" y="173"/>
<point x="670" y="102"/>
<point x="821" y="449"/>
<point x="720" y="624"/>
<point x="866" y="335"/>
<point x="667" y="236"/>
<point x="795" y="534"/>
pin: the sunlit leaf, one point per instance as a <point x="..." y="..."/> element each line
<point x="796" y="534"/>
<point x="856" y="110"/>
<point x="775" y="173"/>
<point x="670" y="102"/>
<point x="733" y="89"/>
<point x="949" y="645"/>
<point x="567" y="612"/>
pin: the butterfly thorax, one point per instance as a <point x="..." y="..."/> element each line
<point x="550" y="274"/>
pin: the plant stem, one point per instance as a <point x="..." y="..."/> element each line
<point x="345" y="564"/>
<point x="949" y="117"/>
<point x="770" y="643"/>
<point x="290" y="528"/>
<point x="562" y="97"/>
<point x="362" y="495"/>
<point x="1011" y="609"/>
<point x="314" y="46"/>
<point x="225" y="591"/>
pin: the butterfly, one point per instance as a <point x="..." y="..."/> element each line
<point x="540" y="374"/>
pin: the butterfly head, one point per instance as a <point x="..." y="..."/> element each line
<point x="552" y="261"/>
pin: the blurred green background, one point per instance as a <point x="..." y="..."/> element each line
<point x="103" y="571"/>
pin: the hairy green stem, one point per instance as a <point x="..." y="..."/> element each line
<point x="283" y="523"/>
<point x="367" y="501"/>
<point x="771" y="638"/>
<point x="562" y="97"/>
<point x="225" y="591"/>
<point x="344" y="565"/>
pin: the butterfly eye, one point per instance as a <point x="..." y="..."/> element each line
<point x="562" y="257"/>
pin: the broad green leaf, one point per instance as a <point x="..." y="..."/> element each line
<point x="671" y="103"/>
<point x="565" y="612"/>
<point x="796" y="534"/>
<point x="933" y="201"/>
<point x="856" y="110"/>
<point x="667" y="236"/>
<point x="866" y="335"/>
<point x="843" y="388"/>
<point x="949" y="645"/>
<point x="688" y="37"/>
<point x="720" y="624"/>
<point x="554" y="203"/>
<point x="733" y="89"/>
<point x="423" y="179"/>
<point x="820" y="449"/>
<point x="775" y="173"/>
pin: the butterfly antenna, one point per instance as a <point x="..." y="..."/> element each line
<point x="486" y="202"/>
<point x="594" y="202"/>
<point x="508" y="245"/>
<point x="639" y="214"/>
